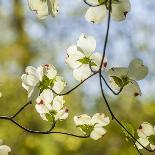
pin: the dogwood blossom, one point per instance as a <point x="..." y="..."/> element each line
<point x="128" y="77"/>
<point x="5" y="150"/>
<point x="81" y="57"/>
<point x="146" y="133"/>
<point x="35" y="80"/>
<point x="120" y="8"/>
<point x="43" y="8"/>
<point x="92" y="126"/>
<point x="51" y="108"/>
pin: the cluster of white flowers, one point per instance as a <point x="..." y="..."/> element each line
<point x="51" y="108"/>
<point x="119" y="10"/>
<point x="35" y="80"/>
<point x="128" y="77"/>
<point x="146" y="133"/>
<point x="39" y="83"/>
<point x="82" y="59"/>
<point x="4" y="149"/>
<point x="43" y="8"/>
<point x="92" y="126"/>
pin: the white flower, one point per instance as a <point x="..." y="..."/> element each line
<point x="43" y="8"/>
<point x="51" y="108"/>
<point x="92" y="126"/>
<point x="31" y="80"/>
<point x="146" y="133"/>
<point x="81" y="57"/>
<point x="5" y="150"/>
<point x="0" y="94"/>
<point x="128" y="76"/>
<point x="37" y="79"/>
<point x="119" y="11"/>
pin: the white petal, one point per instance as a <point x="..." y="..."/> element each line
<point x="152" y="147"/>
<point x="87" y="44"/>
<point x="59" y="84"/>
<point x="33" y="93"/>
<point x="118" y="71"/>
<point x="31" y="70"/>
<point x="100" y="120"/>
<point x="96" y="14"/>
<point x="143" y="141"/>
<point x="42" y="108"/>
<point x="97" y="58"/>
<point x="40" y="71"/>
<point x="137" y="71"/>
<point x="58" y="103"/>
<point x="97" y="133"/>
<point x="82" y="72"/>
<point x="120" y="9"/>
<point x="50" y="71"/>
<point x="40" y="7"/>
<point x="93" y="2"/>
<point x="5" y="150"/>
<point x="47" y="96"/>
<point x="62" y="114"/>
<point x="53" y="7"/>
<point x="82" y="119"/>
<point x="30" y="80"/>
<point x="73" y="56"/>
<point x="132" y="89"/>
<point x="145" y="129"/>
<point x="43" y="116"/>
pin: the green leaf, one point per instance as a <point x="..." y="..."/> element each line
<point x="101" y="1"/>
<point x="152" y="139"/>
<point x="84" y="60"/>
<point x="86" y="128"/>
<point x="93" y="64"/>
<point x="129" y="128"/>
<point x="117" y="80"/>
<point x="49" y="117"/>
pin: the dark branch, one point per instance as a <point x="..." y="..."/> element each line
<point x="40" y="132"/>
<point x="91" y="5"/>
<point x="115" y="93"/>
<point x="71" y="90"/>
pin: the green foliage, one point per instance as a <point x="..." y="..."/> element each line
<point x="152" y="139"/>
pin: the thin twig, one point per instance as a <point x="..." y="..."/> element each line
<point x="101" y="86"/>
<point x="91" y="5"/>
<point x="136" y="148"/>
<point x="71" y="90"/>
<point x="115" y="93"/>
<point x="21" y="109"/>
<point x="40" y="132"/>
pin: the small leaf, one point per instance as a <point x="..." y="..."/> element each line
<point x="49" y="117"/>
<point x="129" y="128"/>
<point x="92" y="64"/>
<point x="84" y="60"/>
<point x="118" y="81"/>
<point x="86" y="128"/>
<point x="152" y="139"/>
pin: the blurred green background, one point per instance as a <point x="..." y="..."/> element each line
<point x="24" y="40"/>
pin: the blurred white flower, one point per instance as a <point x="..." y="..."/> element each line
<point x="146" y="133"/>
<point x="0" y="94"/>
<point x="97" y="14"/>
<point x="92" y="126"/>
<point x="128" y="77"/>
<point x="51" y="108"/>
<point x="37" y="79"/>
<point x="44" y="8"/>
<point x="81" y="57"/>
<point x="5" y="150"/>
